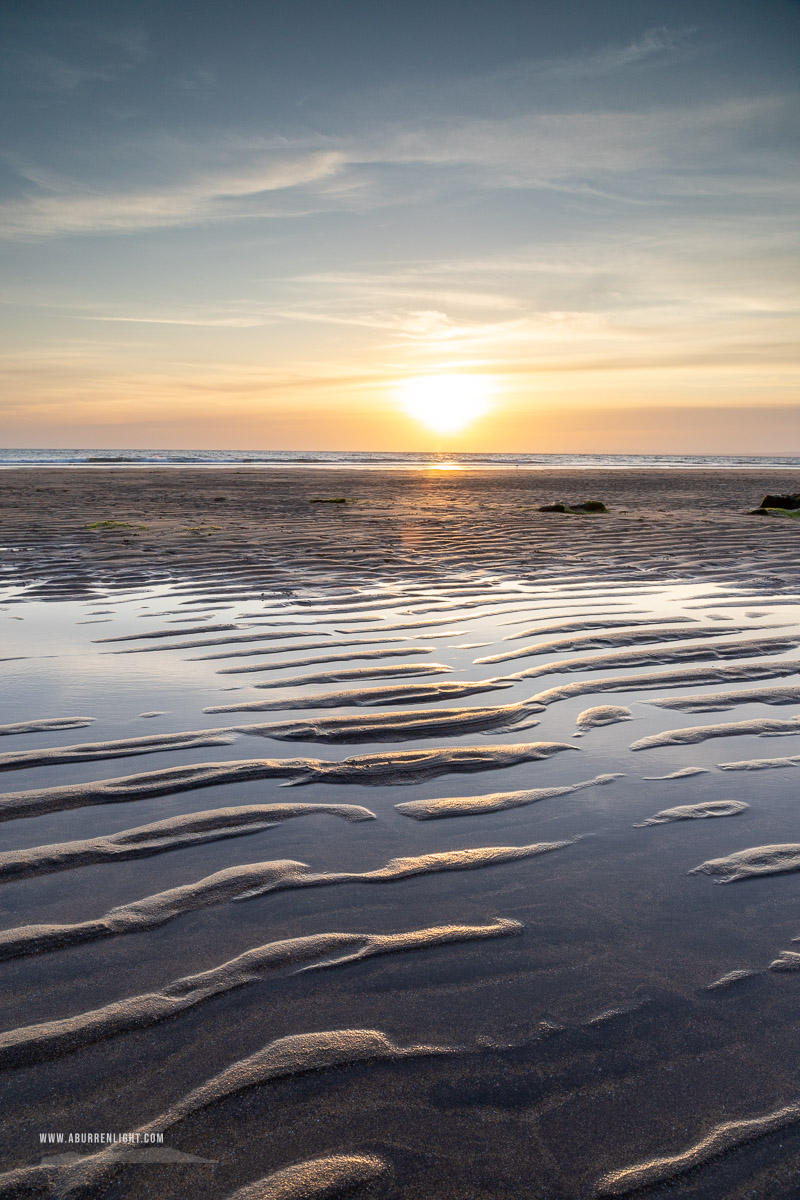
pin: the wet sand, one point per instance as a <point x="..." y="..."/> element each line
<point x="485" y="954"/>
<point x="243" y="531"/>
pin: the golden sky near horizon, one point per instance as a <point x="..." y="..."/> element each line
<point x="559" y="231"/>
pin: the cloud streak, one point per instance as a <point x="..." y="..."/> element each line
<point x="53" y="211"/>
<point x="642" y="157"/>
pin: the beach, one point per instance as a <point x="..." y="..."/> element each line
<point x="375" y="833"/>
<point x="245" y="522"/>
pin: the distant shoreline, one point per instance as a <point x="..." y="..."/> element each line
<point x="443" y="462"/>
<point x="411" y="462"/>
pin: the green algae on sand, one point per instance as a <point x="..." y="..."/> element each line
<point x="778" y="506"/>
<point x="115" y="525"/>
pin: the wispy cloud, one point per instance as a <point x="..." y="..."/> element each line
<point x="660" y="42"/>
<point x="203" y="197"/>
<point x="642" y="157"/>
<point x="543" y="149"/>
<point x="209" y="322"/>
<point x="87" y="54"/>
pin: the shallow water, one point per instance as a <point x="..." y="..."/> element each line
<point x="544" y="988"/>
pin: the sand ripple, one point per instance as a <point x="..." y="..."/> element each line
<point x="171" y="834"/>
<point x="774" y="669"/>
<point x="228" y="640"/>
<point x="399" y="726"/>
<point x="346" y="674"/>
<point x="624" y="637"/>
<point x="601" y="714"/>
<point x="744" y="649"/>
<point x="415" y="766"/>
<point x="254" y="651"/>
<point x="32" y="1043"/>
<point x="124" y="748"/>
<point x="721" y="1138"/>
<point x="589" y="623"/>
<point x="245" y="883"/>
<point x="46" y="724"/>
<point x="169" y="633"/>
<point x="317" y="1179"/>
<point x="760" y="764"/>
<point x="344" y="656"/>
<point x="693" y="812"/>
<point x="397" y="767"/>
<point x="761" y="726"/>
<point x="465" y="806"/>
<point x="749" y="864"/>
<point x="683" y="773"/>
<point x="399" y="693"/>
<point x="720" y="701"/>
<point x="298" y="1054"/>
<point x="731" y="978"/>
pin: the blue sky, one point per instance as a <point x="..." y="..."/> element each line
<point x="258" y="224"/>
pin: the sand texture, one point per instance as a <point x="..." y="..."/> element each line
<point x="379" y="860"/>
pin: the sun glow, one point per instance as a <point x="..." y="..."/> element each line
<point x="446" y="403"/>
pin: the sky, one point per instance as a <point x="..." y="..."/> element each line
<point x="501" y="225"/>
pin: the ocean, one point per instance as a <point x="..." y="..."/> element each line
<point x="383" y="459"/>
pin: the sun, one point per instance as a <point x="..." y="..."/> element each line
<point x="446" y="403"/>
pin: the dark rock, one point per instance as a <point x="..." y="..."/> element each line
<point x="781" y="501"/>
<point x="587" y="506"/>
<point x="590" y="506"/>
